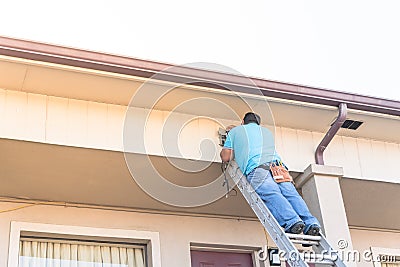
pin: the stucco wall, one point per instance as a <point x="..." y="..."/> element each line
<point x="176" y="232"/>
<point x="363" y="240"/>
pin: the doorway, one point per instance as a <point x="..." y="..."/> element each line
<point x="220" y="259"/>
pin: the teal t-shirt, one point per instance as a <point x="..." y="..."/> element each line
<point x="253" y="145"/>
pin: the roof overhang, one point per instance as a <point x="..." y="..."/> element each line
<point x="66" y="81"/>
<point x="51" y="79"/>
<point x="187" y="75"/>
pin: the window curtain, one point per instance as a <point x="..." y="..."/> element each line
<point x="390" y="264"/>
<point x="54" y="254"/>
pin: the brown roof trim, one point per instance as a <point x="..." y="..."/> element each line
<point x="144" y="68"/>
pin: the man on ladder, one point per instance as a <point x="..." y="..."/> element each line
<point x="254" y="151"/>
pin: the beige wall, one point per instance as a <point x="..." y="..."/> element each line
<point x="363" y="240"/>
<point x="176" y="232"/>
<point x="87" y="124"/>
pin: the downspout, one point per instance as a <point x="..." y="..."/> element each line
<point x="319" y="152"/>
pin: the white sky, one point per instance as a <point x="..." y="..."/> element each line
<point x="346" y="45"/>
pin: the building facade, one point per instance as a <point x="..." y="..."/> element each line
<point x="83" y="135"/>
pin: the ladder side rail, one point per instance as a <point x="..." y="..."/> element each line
<point x="326" y="248"/>
<point x="265" y="216"/>
<point x="281" y="239"/>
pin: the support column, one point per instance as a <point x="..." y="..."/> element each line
<point x="322" y="193"/>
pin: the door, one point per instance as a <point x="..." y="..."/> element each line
<point x="310" y="264"/>
<point x="220" y="259"/>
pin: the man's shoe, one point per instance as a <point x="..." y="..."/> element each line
<point x="296" y="228"/>
<point x="314" y="229"/>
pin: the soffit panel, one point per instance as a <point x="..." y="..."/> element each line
<point x="371" y="204"/>
<point x="302" y="117"/>
<point x="12" y="75"/>
<point x="75" y="85"/>
<point x="374" y="127"/>
<point x="97" y="177"/>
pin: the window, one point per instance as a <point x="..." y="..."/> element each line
<point x="54" y="252"/>
<point x="385" y="257"/>
<point x="35" y="244"/>
<point x="391" y="264"/>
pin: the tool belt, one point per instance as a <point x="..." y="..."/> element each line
<point x="278" y="170"/>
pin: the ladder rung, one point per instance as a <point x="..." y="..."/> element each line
<point x="316" y="257"/>
<point x="327" y="262"/>
<point x="304" y="237"/>
<point x="305" y="242"/>
<point x="313" y="255"/>
<point x="285" y="242"/>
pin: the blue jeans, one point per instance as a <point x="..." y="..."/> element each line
<point x="282" y="199"/>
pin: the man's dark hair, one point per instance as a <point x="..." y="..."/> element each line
<point x="251" y="117"/>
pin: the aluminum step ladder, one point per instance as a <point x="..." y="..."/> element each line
<point x="322" y="252"/>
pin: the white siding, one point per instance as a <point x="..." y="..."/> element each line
<point x="115" y="127"/>
<point x="15" y="114"/>
<point x="351" y="159"/>
<point x="97" y="124"/>
<point x="360" y="158"/>
<point x="36" y="117"/>
<point x="56" y="123"/>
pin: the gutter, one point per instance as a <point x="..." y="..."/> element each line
<point x="181" y="74"/>
<point x="319" y="152"/>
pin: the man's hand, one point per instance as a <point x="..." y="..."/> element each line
<point x="230" y="127"/>
<point x="226" y="154"/>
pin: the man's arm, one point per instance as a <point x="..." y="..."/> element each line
<point x="226" y="154"/>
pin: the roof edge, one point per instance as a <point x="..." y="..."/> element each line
<point x="182" y="74"/>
